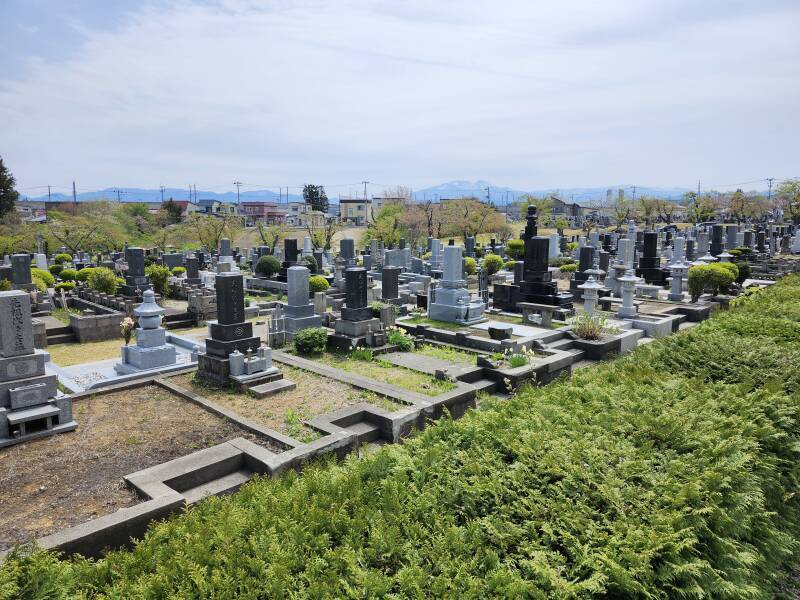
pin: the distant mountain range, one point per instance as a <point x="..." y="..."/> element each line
<point x="501" y="194"/>
<point x="451" y="189"/>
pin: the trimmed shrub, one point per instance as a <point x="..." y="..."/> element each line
<point x="82" y="274"/>
<point x="311" y="263"/>
<point x="515" y="249"/>
<point x="103" y="280"/>
<point x="267" y="266"/>
<point x="159" y="277"/>
<point x="311" y="341"/>
<point x="62" y="258"/>
<point x="68" y="275"/>
<point x="55" y="269"/>
<point x="560" y="261"/>
<point x="670" y="472"/>
<point x="568" y="268"/>
<point x="744" y="271"/>
<point x="67" y="286"/>
<point x="45" y="276"/>
<point x="178" y="271"/>
<point x="40" y="285"/>
<point x="427" y="256"/>
<point x="713" y="277"/>
<point x="510" y="265"/>
<point x="5" y="285"/>
<point x="470" y="265"/>
<point x="317" y="283"/>
<point x="492" y="263"/>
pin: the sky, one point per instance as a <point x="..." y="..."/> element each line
<point x="525" y="94"/>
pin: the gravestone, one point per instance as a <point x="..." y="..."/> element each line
<point x="717" y="232"/>
<point x="30" y="404"/>
<point x="390" y="280"/>
<point x="229" y="333"/>
<point x="347" y="250"/>
<point x="136" y="282"/>
<point x="357" y="320"/>
<point x="151" y="350"/>
<point x="299" y="313"/>
<point x="650" y="263"/>
<point x="192" y="270"/>
<point x="21" y="272"/>
<point x="453" y="302"/>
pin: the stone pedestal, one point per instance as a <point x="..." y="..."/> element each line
<point x="30" y="404"/>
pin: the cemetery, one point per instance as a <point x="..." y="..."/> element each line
<point x="156" y="380"/>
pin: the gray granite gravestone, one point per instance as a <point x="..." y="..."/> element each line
<point x="299" y="313"/>
<point x="30" y="404"/>
<point x="453" y="302"/>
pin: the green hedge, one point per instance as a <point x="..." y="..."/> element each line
<point x="671" y="472"/>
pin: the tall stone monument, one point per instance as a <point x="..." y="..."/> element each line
<point x="136" y="282"/>
<point x="229" y="333"/>
<point x="453" y="302"/>
<point x="299" y="313"/>
<point x="30" y="404"/>
<point x="357" y="320"/>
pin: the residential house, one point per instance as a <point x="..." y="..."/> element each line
<point x="262" y="212"/>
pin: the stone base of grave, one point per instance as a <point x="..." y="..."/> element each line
<point x="252" y="380"/>
<point x="32" y="422"/>
<point x="136" y="359"/>
<point x="463" y="314"/>
<point x="300" y="317"/>
<point x="213" y="369"/>
<point x="352" y="334"/>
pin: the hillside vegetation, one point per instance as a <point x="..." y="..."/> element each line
<point x="669" y="473"/>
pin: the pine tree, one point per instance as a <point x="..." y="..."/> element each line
<point x="8" y="195"/>
<point x="315" y="196"/>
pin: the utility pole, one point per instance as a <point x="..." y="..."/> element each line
<point x="238" y="184"/>
<point x="74" y="197"/>
<point x="698" y="188"/>
<point x="48" y="193"/>
<point x="769" y="194"/>
<point x="162" y="194"/>
<point x="365" y="189"/>
<point x="634" y="194"/>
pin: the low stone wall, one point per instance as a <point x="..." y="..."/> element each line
<point x="105" y="325"/>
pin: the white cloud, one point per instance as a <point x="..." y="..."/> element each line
<point x="518" y="93"/>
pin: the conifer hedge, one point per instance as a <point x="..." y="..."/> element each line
<point x="669" y="473"/>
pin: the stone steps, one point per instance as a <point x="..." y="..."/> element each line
<point x="62" y="338"/>
<point x="272" y="387"/>
<point x="225" y="484"/>
<point x="485" y="385"/>
<point x="184" y="324"/>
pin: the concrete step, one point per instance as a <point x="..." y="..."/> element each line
<point x="64" y="338"/>
<point x="565" y="343"/>
<point x="223" y="485"/>
<point x="272" y="387"/>
<point x="185" y="324"/>
<point x="485" y="385"/>
<point x="59" y="330"/>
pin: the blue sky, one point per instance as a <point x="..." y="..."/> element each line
<point x="278" y="93"/>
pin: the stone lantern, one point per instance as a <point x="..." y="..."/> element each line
<point x="628" y="286"/>
<point x="591" y="292"/>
